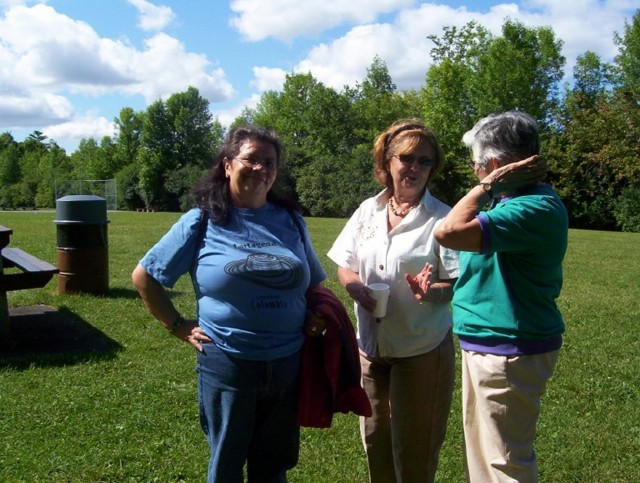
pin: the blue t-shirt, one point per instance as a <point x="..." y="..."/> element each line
<point x="507" y="293"/>
<point x="250" y="278"/>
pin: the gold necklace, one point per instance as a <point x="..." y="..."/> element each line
<point x="401" y="214"/>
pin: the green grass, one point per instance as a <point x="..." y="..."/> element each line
<point x="129" y="413"/>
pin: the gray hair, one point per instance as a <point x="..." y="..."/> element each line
<point x="507" y="137"/>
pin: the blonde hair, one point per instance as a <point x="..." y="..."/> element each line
<point x="405" y="135"/>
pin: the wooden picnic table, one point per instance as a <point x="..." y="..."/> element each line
<point x="32" y="273"/>
<point x="5" y="235"/>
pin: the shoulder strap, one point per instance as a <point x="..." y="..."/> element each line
<point x="300" y="229"/>
<point x="200" y="234"/>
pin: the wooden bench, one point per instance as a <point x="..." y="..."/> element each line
<point x="31" y="273"/>
<point x="35" y="273"/>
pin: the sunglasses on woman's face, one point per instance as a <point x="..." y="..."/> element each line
<point x="408" y="160"/>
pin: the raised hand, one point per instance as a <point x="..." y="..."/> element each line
<point x="420" y="284"/>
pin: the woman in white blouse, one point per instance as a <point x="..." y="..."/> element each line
<point x="407" y="356"/>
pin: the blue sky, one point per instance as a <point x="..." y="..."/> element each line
<point x="67" y="67"/>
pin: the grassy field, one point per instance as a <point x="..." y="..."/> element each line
<point x="119" y="405"/>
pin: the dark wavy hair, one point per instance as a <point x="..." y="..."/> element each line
<point x="212" y="193"/>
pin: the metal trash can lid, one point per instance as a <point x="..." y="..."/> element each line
<point x="81" y="209"/>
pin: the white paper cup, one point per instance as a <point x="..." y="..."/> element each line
<point x="380" y="292"/>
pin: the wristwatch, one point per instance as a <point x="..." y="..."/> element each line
<point x="487" y="189"/>
<point x="177" y="324"/>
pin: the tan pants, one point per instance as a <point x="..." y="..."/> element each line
<point x="411" y="398"/>
<point x="501" y="404"/>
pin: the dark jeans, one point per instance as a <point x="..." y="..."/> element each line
<point x="248" y="413"/>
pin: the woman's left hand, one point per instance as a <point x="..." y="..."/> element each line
<point x="420" y="284"/>
<point x="513" y="176"/>
<point x="314" y="324"/>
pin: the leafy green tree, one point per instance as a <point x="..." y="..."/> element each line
<point x="10" y="170"/>
<point x="84" y="157"/>
<point x="376" y="104"/>
<point x="475" y="74"/>
<point x="591" y="82"/>
<point x="354" y="181"/>
<point x="520" y="70"/>
<point x="626" y="208"/>
<point x="34" y="149"/>
<point x="313" y="122"/>
<point x="10" y="154"/>
<point x="594" y="154"/>
<point x="447" y="107"/>
<point x="175" y="135"/>
<point x="129" y="126"/>
<point x="244" y="119"/>
<point x="128" y="182"/>
<point x="51" y="162"/>
<point x="192" y="136"/>
<point x="627" y="61"/>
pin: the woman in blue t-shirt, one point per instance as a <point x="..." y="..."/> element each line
<point x="249" y="255"/>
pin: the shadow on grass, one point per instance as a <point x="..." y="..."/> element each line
<point x="122" y="293"/>
<point x="44" y="337"/>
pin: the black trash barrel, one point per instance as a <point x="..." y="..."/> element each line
<point x="82" y="247"/>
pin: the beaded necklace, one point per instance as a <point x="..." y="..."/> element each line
<point x="401" y="214"/>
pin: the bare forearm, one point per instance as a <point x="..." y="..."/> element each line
<point x="461" y="230"/>
<point x="351" y="282"/>
<point x="441" y="292"/>
<point x="356" y="289"/>
<point x="155" y="297"/>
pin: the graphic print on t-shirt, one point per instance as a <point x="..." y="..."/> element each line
<point x="274" y="271"/>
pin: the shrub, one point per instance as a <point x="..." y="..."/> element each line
<point x="626" y="209"/>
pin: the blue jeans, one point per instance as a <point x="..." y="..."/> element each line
<point x="248" y="412"/>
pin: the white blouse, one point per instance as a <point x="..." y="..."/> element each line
<point x="366" y="247"/>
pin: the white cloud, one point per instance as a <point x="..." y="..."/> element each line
<point x="15" y="3"/>
<point x="288" y="19"/>
<point x="47" y="57"/>
<point x="61" y="56"/>
<point x="23" y="111"/>
<point x="87" y="126"/>
<point x="583" y="25"/>
<point x="227" y="116"/>
<point x="165" y="67"/>
<point x="403" y="44"/>
<point x="268" y="79"/>
<point x="152" y="17"/>
<point x="265" y="79"/>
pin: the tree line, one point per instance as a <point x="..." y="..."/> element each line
<point x="590" y="130"/>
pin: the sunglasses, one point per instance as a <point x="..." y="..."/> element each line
<point x="408" y="160"/>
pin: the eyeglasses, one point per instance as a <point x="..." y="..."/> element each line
<point x="253" y="163"/>
<point x="474" y="165"/>
<point x="408" y="160"/>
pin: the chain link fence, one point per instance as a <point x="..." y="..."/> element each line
<point x="105" y="188"/>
